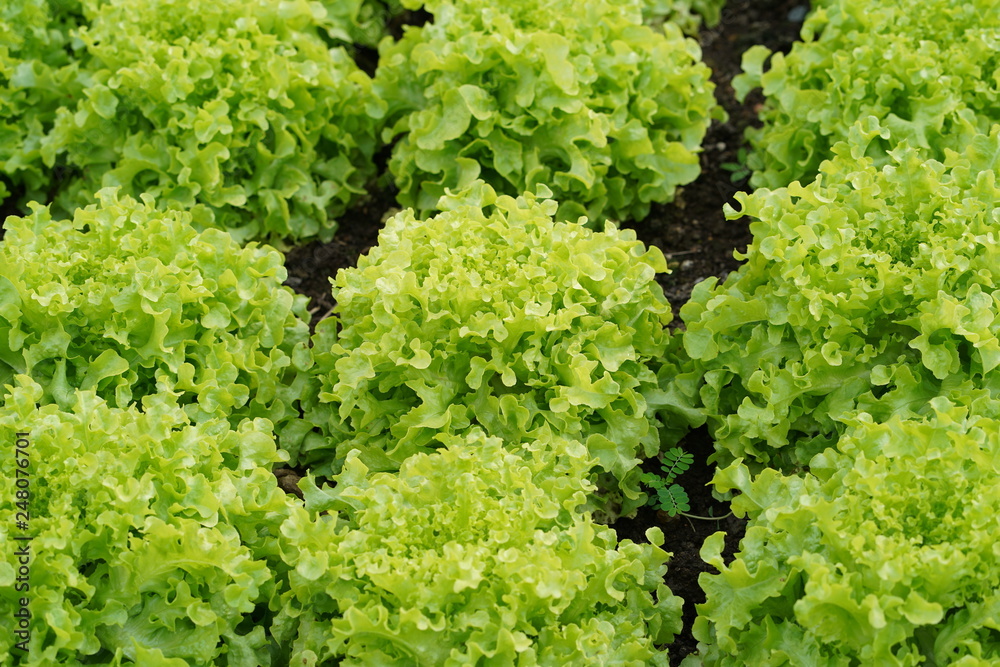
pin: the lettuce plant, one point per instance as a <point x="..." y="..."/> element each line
<point x="884" y="555"/>
<point x="473" y="554"/>
<point x="924" y="70"/>
<point x="361" y="22"/>
<point x="128" y="300"/>
<point x="38" y="75"/>
<point x="236" y="111"/>
<point x="689" y="15"/>
<point x="580" y="97"/>
<point x="150" y="536"/>
<point x="871" y="289"/>
<point x="493" y="314"/>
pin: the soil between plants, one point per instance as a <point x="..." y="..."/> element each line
<point x="698" y="242"/>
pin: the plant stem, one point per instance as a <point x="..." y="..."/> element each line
<point x="707" y="518"/>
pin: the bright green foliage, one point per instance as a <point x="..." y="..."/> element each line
<point x="668" y="496"/>
<point x="236" y="111"/>
<point x="474" y="554"/>
<point x="360" y="22"/>
<point x="491" y="314"/>
<point x="580" y="97"/>
<point x="149" y="536"/>
<point x="871" y="289"/>
<point x="37" y="76"/>
<point x="925" y="70"/>
<point x="689" y="15"/>
<point x="128" y="300"/>
<point x="885" y="555"/>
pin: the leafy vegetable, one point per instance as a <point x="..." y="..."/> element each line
<point x="473" y="554"/>
<point x="689" y="15"/>
<point x="149" y="536"/>
<point x="236" y="111"/>
<point x="885" y="555"/>
<point x="606" y="112"/>
<point x="128" y="301"/>
<point x="871" y="289"/>
<point x="686" y="14"/>
<point x="491" y="314"/>
<point x="361" y="22"/>
<point x="924" y="71"/>
<point x="38" y="75"/>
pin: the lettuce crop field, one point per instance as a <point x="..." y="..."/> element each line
<point x="460" y="332"/>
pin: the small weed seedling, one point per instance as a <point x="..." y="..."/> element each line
<point x="738" y="171"/>
<point x="667" y="495"/>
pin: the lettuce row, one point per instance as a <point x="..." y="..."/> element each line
<point x="885" y="554"/>
<point x="872" y="289"/>
<point x="473" y="554"/>
<point x="924" y="71"/>
<point x="152" y="541"/>
<point x="128" y="301"/>
<point x="491" y="314"/>
<point x="236" y="111"/>
<point x="580" y="97"/>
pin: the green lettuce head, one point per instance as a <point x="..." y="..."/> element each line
<point x="473" y="554"/>
<point x="925" y="71"/>
<point x="38" y="75"/>
<point x="495" y="315"/>
<point x="236" y="111"/>
<point x="580" y="97"/>
<point x="884" y="555"/>
<point x="689" y="15"/>
<point x="150" y="538"/>
<point x="128" y="300"/>
<point x="361" y="22"/>
<point x="872" y="289"/>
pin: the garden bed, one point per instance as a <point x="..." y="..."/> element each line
<point x="696" y="239"/>
<point x="468" y="424"/>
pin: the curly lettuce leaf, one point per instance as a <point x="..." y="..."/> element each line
<point x="361" y="22"/>
<point x="38" y="75"/>
<point x="689" y="15"/>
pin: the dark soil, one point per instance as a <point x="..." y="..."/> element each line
<point x="684" y="536"/>
<point x="311" y="266"/>
<point x="698" y="242"/>
<point x="692" y="230"/>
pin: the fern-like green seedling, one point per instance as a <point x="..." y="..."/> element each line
<point x="672" y="499"/>
<point x="666" y="495"/>
<point x="738" y="171"/>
